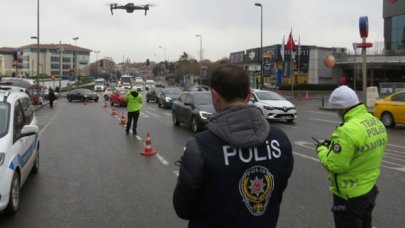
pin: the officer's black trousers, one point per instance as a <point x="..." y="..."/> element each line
<point x="355" y="212"/>
<point x="132" y="116"/>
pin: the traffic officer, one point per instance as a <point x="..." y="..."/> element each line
<point x="133" y="99"/>
<point x="352" y="158"/>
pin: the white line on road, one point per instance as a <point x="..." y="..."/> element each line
<point x="169" y="114"/>
<point x="322" y="120"/>
<point x="282" y="125"/>
<point x="324" y="113"/>
<point x="162" y="159"/>
<point x="152" y="114"/>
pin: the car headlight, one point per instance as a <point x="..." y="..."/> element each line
<point x="85" y="96"/>
<point x="168" y="99"/>
<point x="204" y="115"/>
<point x="2" y="157"/>
<point x="267" y="107"/>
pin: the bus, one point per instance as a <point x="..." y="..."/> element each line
<point x="125" y="81"/>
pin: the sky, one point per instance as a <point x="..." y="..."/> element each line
<point x="226" y="26"/>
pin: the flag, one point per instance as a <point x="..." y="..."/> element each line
<point x="290" y="42"/>
<point x="282" y="49"/>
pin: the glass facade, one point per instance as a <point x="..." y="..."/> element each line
<point x="398" y="32"/>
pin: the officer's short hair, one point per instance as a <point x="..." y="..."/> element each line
<point x="231" y="82"/>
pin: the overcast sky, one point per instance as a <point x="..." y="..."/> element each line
<point x="226" y="25"/>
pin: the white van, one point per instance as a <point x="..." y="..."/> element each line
<point x="125" y="81"/>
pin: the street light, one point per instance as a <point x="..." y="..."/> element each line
<point x="37" y="38"/>
<point x="200" y="35"/>
<point x="76" y="70"/>
<point x="261" y="44"/>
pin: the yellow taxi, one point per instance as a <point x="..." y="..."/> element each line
<point x="391" y="109"/>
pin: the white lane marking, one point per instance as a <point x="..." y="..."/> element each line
<point x="139" y="138"/>
<point x="324" y="113"/>
<point x="306" y="156"/>
<point x="322" y="120"/>
<point x="167" y="113"/>
<point x="153" y="109"/>
<point x="176" y="173"/>
<point x="152" y="114"/>
<point x="162" y="159"/>
<point x="393" y="145"/>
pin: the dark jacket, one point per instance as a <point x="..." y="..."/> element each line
<point x="234" y="174"/>
<point x="51" y="95"/>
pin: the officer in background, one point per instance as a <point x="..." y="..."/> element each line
<point x="133" y="99"/>
<point x="234" y="174"/>
<point x="352" y="157"/>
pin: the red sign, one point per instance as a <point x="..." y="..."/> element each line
<point x="53" y="77"/>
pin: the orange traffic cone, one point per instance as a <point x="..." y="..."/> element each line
<point x="148" y="147"/>
<point x="122" y="119"/>
<point x="113" y="111"/>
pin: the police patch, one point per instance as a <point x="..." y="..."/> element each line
<point x="336" y="148"/>
<point x="256" y="186"/>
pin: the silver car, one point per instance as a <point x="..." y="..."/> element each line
<point x="273" y="106"/>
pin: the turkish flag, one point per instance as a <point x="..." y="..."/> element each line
<point x="290" y="43"/>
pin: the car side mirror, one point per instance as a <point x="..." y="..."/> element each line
<point x="28" y="130"/>
<point x="252" y="100"/>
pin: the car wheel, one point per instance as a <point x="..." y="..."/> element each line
<point x="14" y="199"/>
<point x="106" y="97"/>
<point x="112" y="103"/>
<point x="96" y="100"/>
<point x="176" y="122"/>
<point x="194" y="125"/>
<point x="159" y="104"/>
<point x="290" y="120"/>
<point x="387" y="119"/>
<point x="35" y="168"/>
<point x="147" y="100"/>
<point x="70" y="99"/>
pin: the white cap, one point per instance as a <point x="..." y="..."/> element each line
<point x="343" y="97"/>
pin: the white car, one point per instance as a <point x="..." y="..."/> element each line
<point x="108" y="92"/>
<point x="273" y="106"/>
<point x="19" y="146"/>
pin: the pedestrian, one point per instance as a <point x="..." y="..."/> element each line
<point x="233" y="174"/>
<point x="133" y="99"/>
<point x="51" y="97"/>
<point x="352" y="157"/>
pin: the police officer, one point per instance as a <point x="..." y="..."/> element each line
<point x="352" y="158"/>
<point x="234" y="174"/>
<point x="133" y="99"/>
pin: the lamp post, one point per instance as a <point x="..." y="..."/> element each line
<point x="261" y="44"/>
<point x="75" y="53"/>
<point x="60" y="66"/>
<point x="164" y="72"/>
<point x="200" y="35"/>
<point x="37" y="38"/>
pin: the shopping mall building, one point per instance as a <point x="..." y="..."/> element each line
<point x="385" y="60"/>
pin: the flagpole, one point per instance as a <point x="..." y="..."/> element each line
<point x="299" y="54"/>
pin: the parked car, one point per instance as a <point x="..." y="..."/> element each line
<point x="197" y="88"/>
<point x="82" y="95"/>
<point x="118" y="97"/>
<point x="19" y="146"/>
<point x="108" y="92"/>
<point x="167" y="96"/>
<point x="193" y="109"/>
<point x="152" y="94"/>
<point x="391" y="109"/>
<point x="138" y="86"/>
<point x="273" y="106"/>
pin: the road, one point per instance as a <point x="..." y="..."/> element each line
<point x="92" y="173"/>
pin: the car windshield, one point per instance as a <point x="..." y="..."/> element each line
<point x="4" y="118"/>
<point x="202" y="98"/>
<point x="268" y="95"/>
<point x="84" y="91"/>
<point x="173" y="92"/>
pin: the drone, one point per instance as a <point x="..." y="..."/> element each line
<point x="129" y="7"/>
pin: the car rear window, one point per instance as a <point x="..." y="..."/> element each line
<point x="202" y="98"/>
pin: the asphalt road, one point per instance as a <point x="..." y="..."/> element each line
<point x="92" y="173"/>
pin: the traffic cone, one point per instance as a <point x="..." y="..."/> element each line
<point x="122" y="119"/>
<point x="113" y="111"/>
<point x="148" y="151"/>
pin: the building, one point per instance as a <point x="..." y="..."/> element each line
<point x="74" y="59"/>
<point x="385" y="61"/>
